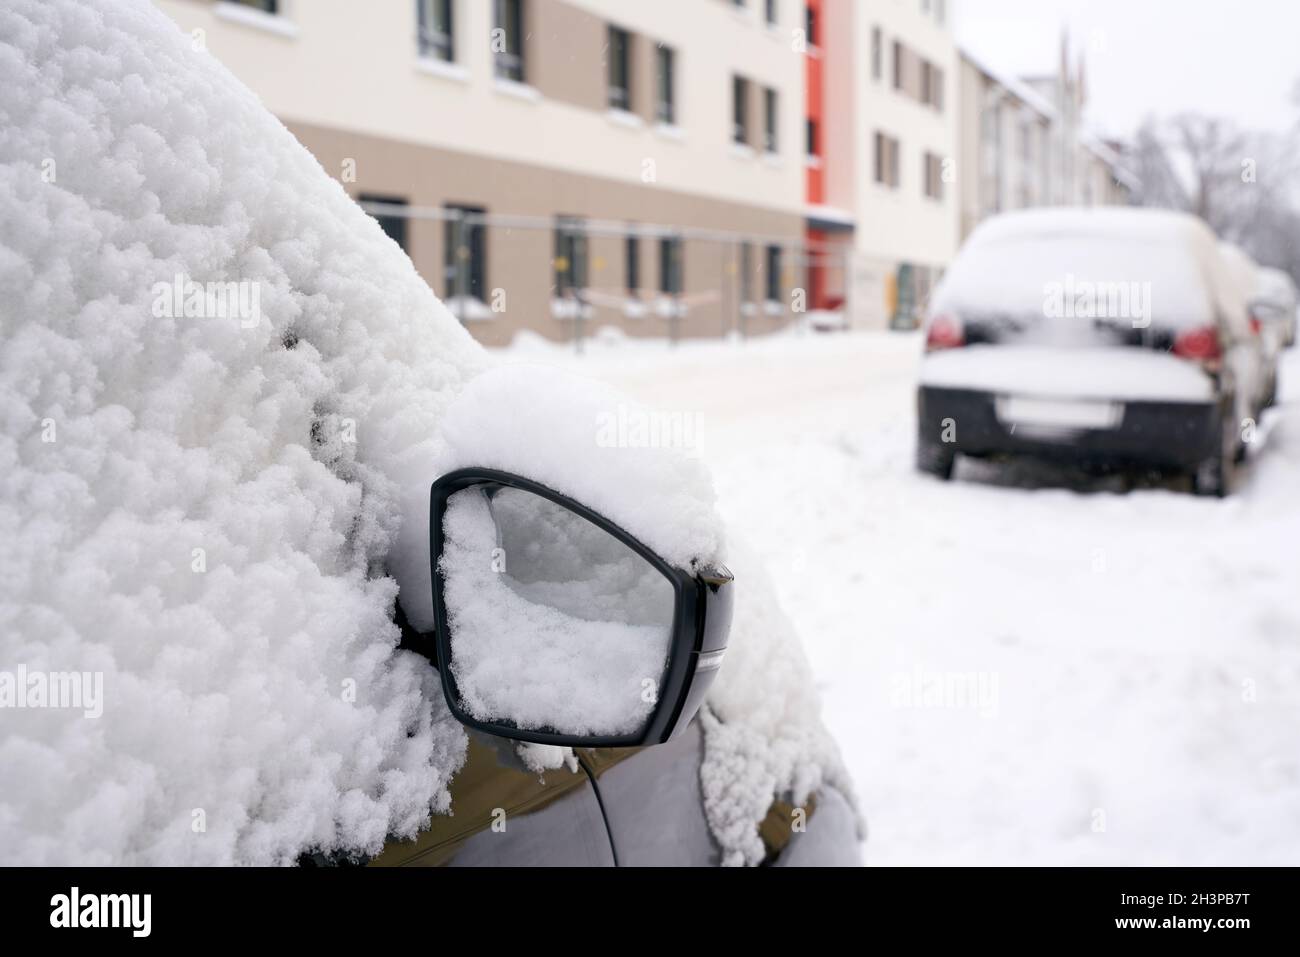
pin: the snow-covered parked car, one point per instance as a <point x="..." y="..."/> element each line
<point x="1105" y="337"/>
<point x="257" y="485"/>
<point x="1245" y="273"/>
<point x="1275" y="301"/>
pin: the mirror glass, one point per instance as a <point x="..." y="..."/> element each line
<point x="554" y="624"/>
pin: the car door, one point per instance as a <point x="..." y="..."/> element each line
<point x="654" y="805"/>
<point x="502" y="813"/>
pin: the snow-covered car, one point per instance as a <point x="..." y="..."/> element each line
<point x="1245" y="272"/>
<point x="257" y="486"/>
<point x="1104" y="337"/>
<point x="1275" y="301"/>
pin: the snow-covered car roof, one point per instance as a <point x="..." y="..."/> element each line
<point x="1012" y="262"/>
<point x="1094" y="221"/>
<point x="1241" y="267"/>
<point x="1275" y="286"/>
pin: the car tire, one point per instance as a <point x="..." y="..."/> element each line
<point x="1217" y="476"/>
<point x="935" y="459"/>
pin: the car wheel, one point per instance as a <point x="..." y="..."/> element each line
<point x="1217" y="476"/>
<point x="935" y="459"/>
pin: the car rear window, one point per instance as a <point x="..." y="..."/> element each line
<point x="1066" y="286"/>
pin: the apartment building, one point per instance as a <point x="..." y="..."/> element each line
<point x="553" y="165"/>
<point x="1024" y="144"/>
<point x="881" y="185"/>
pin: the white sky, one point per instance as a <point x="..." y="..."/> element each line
<point x="1238" y="58"/>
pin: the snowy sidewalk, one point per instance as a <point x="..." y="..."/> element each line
<point x="1021" y="666"/>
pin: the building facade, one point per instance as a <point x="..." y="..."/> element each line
<point x="882" y="198"/>
<point x="680" y="168"/>
<point x="553" y="165"/>
<point x="1024" y="145"/>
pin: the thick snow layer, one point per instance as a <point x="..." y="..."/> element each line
<point x="1026" y="665"/>
<point x="1153" y="267"/>
<point x="764" y="737"/>
<point x="1240" y="267"/>
<point x="763" y="732"/>
<point x="200" y="509"/>
<point x="554" y="624"/>
<point x="634" y="466"/>
<point x="1276" y="287"/>
<point x="223" y="390"/>
<point x="1125" y="373"/>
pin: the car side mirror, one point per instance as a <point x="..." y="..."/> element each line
<point x="556" y="626"/>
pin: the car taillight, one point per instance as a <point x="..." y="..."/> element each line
<point x="945" y="332"/>
<point x="1200" y="345"/>
<point x="1255" y="324"/>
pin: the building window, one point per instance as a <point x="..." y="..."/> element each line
<point x="746" y="273"/>
<point x="570" y="255"/>
<point x="620" y="55"/>
<point x="435" y="38"/>
<point x="898" y="65"/>
<point x="877" y="53"/>
<point x="632" y="265"/>
<point x="769" y="121"/>
<point x="769" y="12"/>
<point x="936" y="88"/>
<point x="991" y="139"/>
<point x="932" y="175"/>
<point x="810" y="25"/>
<point x="508" y="39"/>
<point x="464" y="252"/>
<point x="393" y="222"/>
<point x="812" y="147"/>
<point x="266" y="6"/>
<point x="773" y="276"/>
<point x="665" y="85"/>
<point x="925" y="82"/>
<point x="886" y="160"/>
<point x="739" y="109"/>
<point x="670" y="265"/>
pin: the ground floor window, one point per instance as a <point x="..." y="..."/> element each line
<point x="632" y="265"/>
<point x="465" y="252"/>
<point x="773" y="274"/>
<point x="670" y="265"/>
<point x="570" y="255"/>
<point x="393" y="221"/>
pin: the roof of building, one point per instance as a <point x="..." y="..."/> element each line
<point x="1023" y="91"/>
<point x="1112" y="160"/>
<point x="1016" y="87"/>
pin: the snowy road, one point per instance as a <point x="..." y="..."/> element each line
<point x="1022" y="666"/>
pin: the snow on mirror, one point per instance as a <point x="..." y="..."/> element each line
<point x="554" y="624"/>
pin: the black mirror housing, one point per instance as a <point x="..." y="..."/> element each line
<point x="701" y="621"/>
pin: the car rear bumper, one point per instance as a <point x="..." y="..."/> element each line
<point x="1177" y="435"/>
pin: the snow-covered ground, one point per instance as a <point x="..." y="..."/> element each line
<point x="1024" y="665"/>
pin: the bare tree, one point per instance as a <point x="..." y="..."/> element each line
<point x="1242" y="183"/>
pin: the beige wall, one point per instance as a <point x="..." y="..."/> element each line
<point x="565" y="53"/>
<point x="900" y="224"/>
<point x="347" y="64"/>
<point x="519" y="260"/>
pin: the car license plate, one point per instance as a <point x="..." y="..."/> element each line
<point x="1059" y="413"/>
